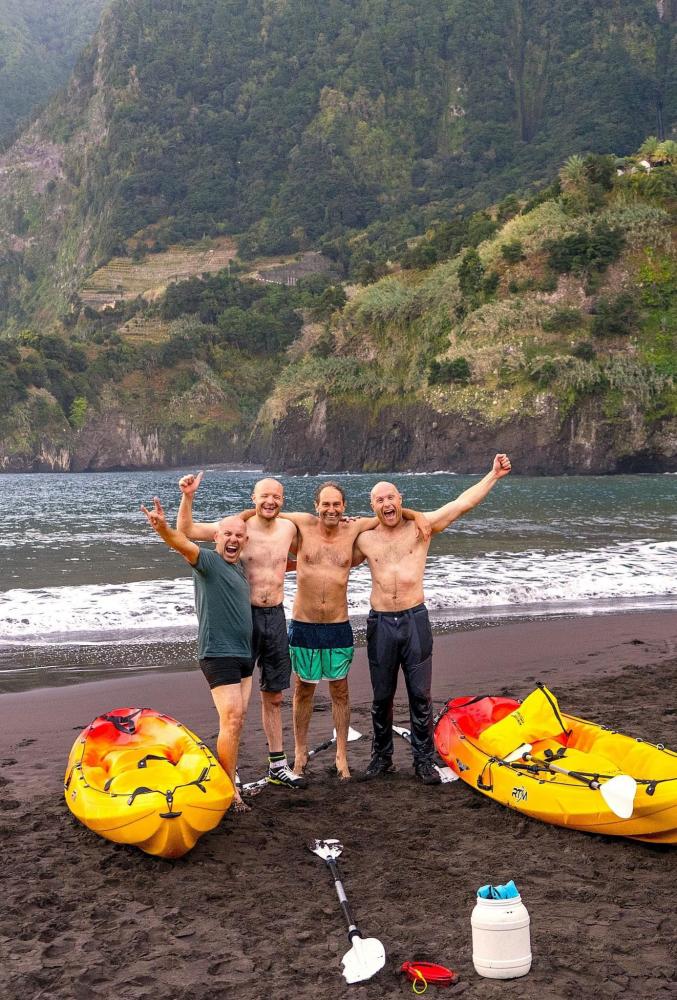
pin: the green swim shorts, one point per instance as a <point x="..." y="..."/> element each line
<point x="322" y="651"/>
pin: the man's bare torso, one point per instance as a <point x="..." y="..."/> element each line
<point x="265" y="559"/>
<point x="396" y="558"/>
<point x="322" y="565"/>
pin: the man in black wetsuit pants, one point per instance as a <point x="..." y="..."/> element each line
<point x="398" y="629"/>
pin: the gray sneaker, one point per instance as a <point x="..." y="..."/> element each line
<point x="285" y="776"/>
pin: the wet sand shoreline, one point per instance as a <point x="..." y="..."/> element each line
<point x="27" y="667"/>
<point x="251" y="913"/>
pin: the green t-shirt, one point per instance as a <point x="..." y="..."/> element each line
<point x="223" y="608"/>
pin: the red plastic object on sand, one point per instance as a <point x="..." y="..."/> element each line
<point x="422" y="974"/>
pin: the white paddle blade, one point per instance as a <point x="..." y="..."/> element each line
<point x="404" y="733"/>
<point x="352" y="734"/>
<point x="328" y="850"/>
<point x="619" y="794"/>
<point x="366" y="957"/>
<point x="518" y="753"/>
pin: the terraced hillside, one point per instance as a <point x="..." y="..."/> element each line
<point x="124" y="279"/>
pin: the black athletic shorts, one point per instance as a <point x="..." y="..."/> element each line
<point x="270" y="648"/>
<point x="226" y="669"/>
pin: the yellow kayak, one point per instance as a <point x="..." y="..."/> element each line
<point x="536" y="759"/>
<point x="138" y="777"/>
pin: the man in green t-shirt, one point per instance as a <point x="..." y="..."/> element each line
<point x="225" y="626"/>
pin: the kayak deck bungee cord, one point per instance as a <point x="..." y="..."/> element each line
<point x="559" y="768"/>
<point x="136" y="776"/>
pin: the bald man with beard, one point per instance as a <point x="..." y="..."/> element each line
<point x="398" y="627"/>
<point x="269" y="540"/>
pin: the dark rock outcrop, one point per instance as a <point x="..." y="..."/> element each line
<point x="360" y="437"/>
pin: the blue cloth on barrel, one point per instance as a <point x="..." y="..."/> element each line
<point x="507" y="891"/>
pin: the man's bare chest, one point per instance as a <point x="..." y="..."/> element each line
<point x="322" y="554"/>
<point x="263" y="553"/>
<point x="393" y="552"/>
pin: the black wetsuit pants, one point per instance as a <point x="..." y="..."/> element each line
<point x="401" y="639"/>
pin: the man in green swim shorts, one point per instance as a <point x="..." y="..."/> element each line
<point x="320" y="634"/>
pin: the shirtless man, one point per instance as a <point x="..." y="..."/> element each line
<point x="265" y="561"/>
<point x="225" y="627"/>
<point x="320" y="634"/>
<point x="398" y="629"/>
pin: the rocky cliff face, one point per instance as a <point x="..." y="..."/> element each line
<point x="110" y="441"/>
<point x="359" y="437"/>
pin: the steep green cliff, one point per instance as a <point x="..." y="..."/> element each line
<point x="553" y="338"/>
<point x="40" y="41"/>
<point x="388" y="136"/>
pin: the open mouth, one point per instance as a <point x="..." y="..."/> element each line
<point x="232" y="550"/>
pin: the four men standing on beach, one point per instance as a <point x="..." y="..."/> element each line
<point x="320" y="640"/>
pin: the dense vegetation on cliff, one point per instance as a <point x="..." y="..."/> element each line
<point x="418" y="147"/>
<point x="40" y="41"/>
<point x="287" y="122"/>
<point x="535" y="305"/>
<point x="572" y="296"/>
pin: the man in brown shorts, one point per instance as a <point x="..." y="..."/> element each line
<point x="265" y="561"/>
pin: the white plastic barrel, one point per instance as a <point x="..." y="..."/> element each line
<point x="501" y="943"/>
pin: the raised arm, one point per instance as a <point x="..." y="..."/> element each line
<point x="442" y="518"/>
<point x="202" y="531"/>
<point x="174" y="539"/>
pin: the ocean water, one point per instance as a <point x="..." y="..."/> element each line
<point x="87" y="587"/>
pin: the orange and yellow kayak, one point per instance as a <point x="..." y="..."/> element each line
<point x="136" y="776"/>
<point x="475" y="735"/>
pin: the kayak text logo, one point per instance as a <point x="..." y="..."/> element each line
<point x="519" y="793"/>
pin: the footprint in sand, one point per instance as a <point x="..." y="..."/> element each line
<point x="57" y="950"/>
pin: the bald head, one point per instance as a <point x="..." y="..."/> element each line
<point x="382" y="487"/>
<point x="230" y="538"/>
<point x="232" y="523"/>
<point x="386" y="503"/>
<point x="268" y="497"/>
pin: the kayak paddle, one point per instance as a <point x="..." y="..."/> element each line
<point x="618" y="792"/>
<point x="367" y="955"/>
<point x="353" y="735"/>
<point x="445" y="773"/>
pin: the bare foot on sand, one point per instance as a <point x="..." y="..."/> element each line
<point x="342" y="769"/>
<point x="300" y="762"/>
<point x="238" y="805"/>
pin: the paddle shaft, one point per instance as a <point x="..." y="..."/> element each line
<point x="549" y="766"/>
<point x="343" y="899"/>
<point x="262" y="782"/>
<point x="322" y="746"/>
